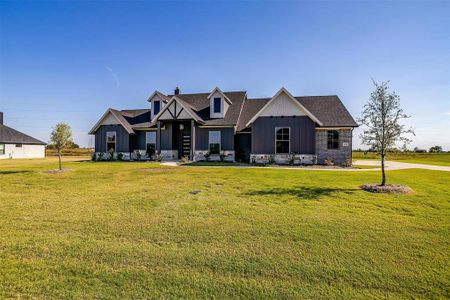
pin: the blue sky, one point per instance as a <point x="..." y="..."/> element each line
<point x="70" y="61"/>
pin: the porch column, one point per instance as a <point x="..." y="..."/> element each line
<point x="192" y="139"/>
<point x="158" y="138"/>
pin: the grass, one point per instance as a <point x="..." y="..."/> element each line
<point x="439" y="159"/>
<point x="134" y="230"/>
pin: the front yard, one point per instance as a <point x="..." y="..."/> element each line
<point x="135" y="230"/>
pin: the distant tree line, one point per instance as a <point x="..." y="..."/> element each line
<point x="71" y="145"/>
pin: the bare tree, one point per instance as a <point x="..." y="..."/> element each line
<point x="61" y="137"/>
<point x="382" y="115"/>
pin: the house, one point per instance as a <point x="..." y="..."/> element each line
<point x="230" y="126"/>
<point x="15" y="144"/>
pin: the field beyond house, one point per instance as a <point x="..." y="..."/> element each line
<point x="439" y="159"/>
<point x="137" y="230"/>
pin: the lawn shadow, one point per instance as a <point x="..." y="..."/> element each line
<point x="14" y="172"/>
<point x="301" y="192"/>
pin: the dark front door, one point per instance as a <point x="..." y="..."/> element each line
<point x="186" y="142"/>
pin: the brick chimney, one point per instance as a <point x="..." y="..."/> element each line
<point x="1" y="118"/>
<point x="177" y="91"/>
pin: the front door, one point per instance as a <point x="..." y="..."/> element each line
<point x="186" y="145"/>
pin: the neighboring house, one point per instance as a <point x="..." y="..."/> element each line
<point x="15" y="144"/>
<point x="229" y="124"/>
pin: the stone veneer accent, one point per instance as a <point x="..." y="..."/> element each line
<point x="338" y="156"/>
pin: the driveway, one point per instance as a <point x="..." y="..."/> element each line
<point x="390" y="165"/>
<point x="395" y="165"/>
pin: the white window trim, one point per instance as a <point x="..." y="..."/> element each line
<point x="209" y="140"/>
<point x="115" y="140"/>
<point x="276" y="128"/>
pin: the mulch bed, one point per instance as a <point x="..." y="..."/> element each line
<point x="387" y="189"/>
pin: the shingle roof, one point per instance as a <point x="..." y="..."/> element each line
<point x="329" y="110"/>
<point x="250" y="108"/>
<point x="200" y="103"/>
<point x="12" y="136"/>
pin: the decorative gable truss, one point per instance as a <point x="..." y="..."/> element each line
<point x="283" y="104"/>
<point x="177" y="109"/>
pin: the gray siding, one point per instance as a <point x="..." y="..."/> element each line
<point x="202" y="138"/>
<point x="123" y="138"/>
<point x="166" y="137"/>
<point x="302" y="134"/>
<point x="338" y="156"/>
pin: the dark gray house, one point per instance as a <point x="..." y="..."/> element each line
<point x="231" y="126"/>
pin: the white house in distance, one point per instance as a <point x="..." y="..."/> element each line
<point x="15" y="144"/>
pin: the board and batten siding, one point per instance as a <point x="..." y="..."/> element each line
<point x="302" y="134"/>
<point x="226" y="138"/>
<point x="122" y="138"/>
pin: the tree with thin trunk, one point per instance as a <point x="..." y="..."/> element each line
<point x="381" y="116"/>
<point x="61" y="138"/>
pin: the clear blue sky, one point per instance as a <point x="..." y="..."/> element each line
<point x="70" y="61"/>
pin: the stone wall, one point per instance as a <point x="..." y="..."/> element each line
<point x="339" y="156"/>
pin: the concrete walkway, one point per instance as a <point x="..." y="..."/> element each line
<point x="390" y="165"/>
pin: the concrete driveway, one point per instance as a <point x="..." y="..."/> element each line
<point x="395" y="165"/>
<point x="390" y="165"/>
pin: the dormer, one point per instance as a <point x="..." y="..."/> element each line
<point x="158" y="101"/>
<point x="218" y="104"/>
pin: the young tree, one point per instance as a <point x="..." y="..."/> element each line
<point x="61" y="137"/>
<point x="381" y="115"/>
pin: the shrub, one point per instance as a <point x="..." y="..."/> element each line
<point x="328" y="162"/>
<point x="206" y="155"/>
<point x="271" y="159"/>
<point x="347" y="163"/>
<point x="111" y="154"/>
<point x="138" y="154"/>
<point x="120" y="156"/>
<point x="222" y="156"/>
<point x="159" y="158"/>
<point x="94" y="156"/>
<point x="101" y="155"/>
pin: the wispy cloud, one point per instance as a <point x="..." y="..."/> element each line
<point x="116" y="79"/>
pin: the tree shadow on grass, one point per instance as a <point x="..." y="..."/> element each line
<point x="301" y="192"/>
<point x="13" y="172"/>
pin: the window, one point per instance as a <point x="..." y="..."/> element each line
<point x="18" y="145"/>
<point x="156" y="107"/>
<point x="150" y="143"/>
<point x="217" y="103"/>
<point x="2" y="149"/>
<point x="111" y="141"/>
<point x="333" y="139"/>
<point x="282" y="140"/>
<point x="214" y="142"/>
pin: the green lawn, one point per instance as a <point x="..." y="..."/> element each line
<point x="439" y="159"/>
<point x="134" y="230"/>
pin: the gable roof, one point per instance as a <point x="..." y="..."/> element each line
<point x="127" y="118"/>
<point x="329" y="110"/>
<point x="216" y="89"/>
<point x="200" y="104"/>
<point x="326" y="111"/>
<point x="186" y="106"/>
<point x="161" y="95"/>
<point x="9" y="135"/>
<point x="281" y="91"/>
